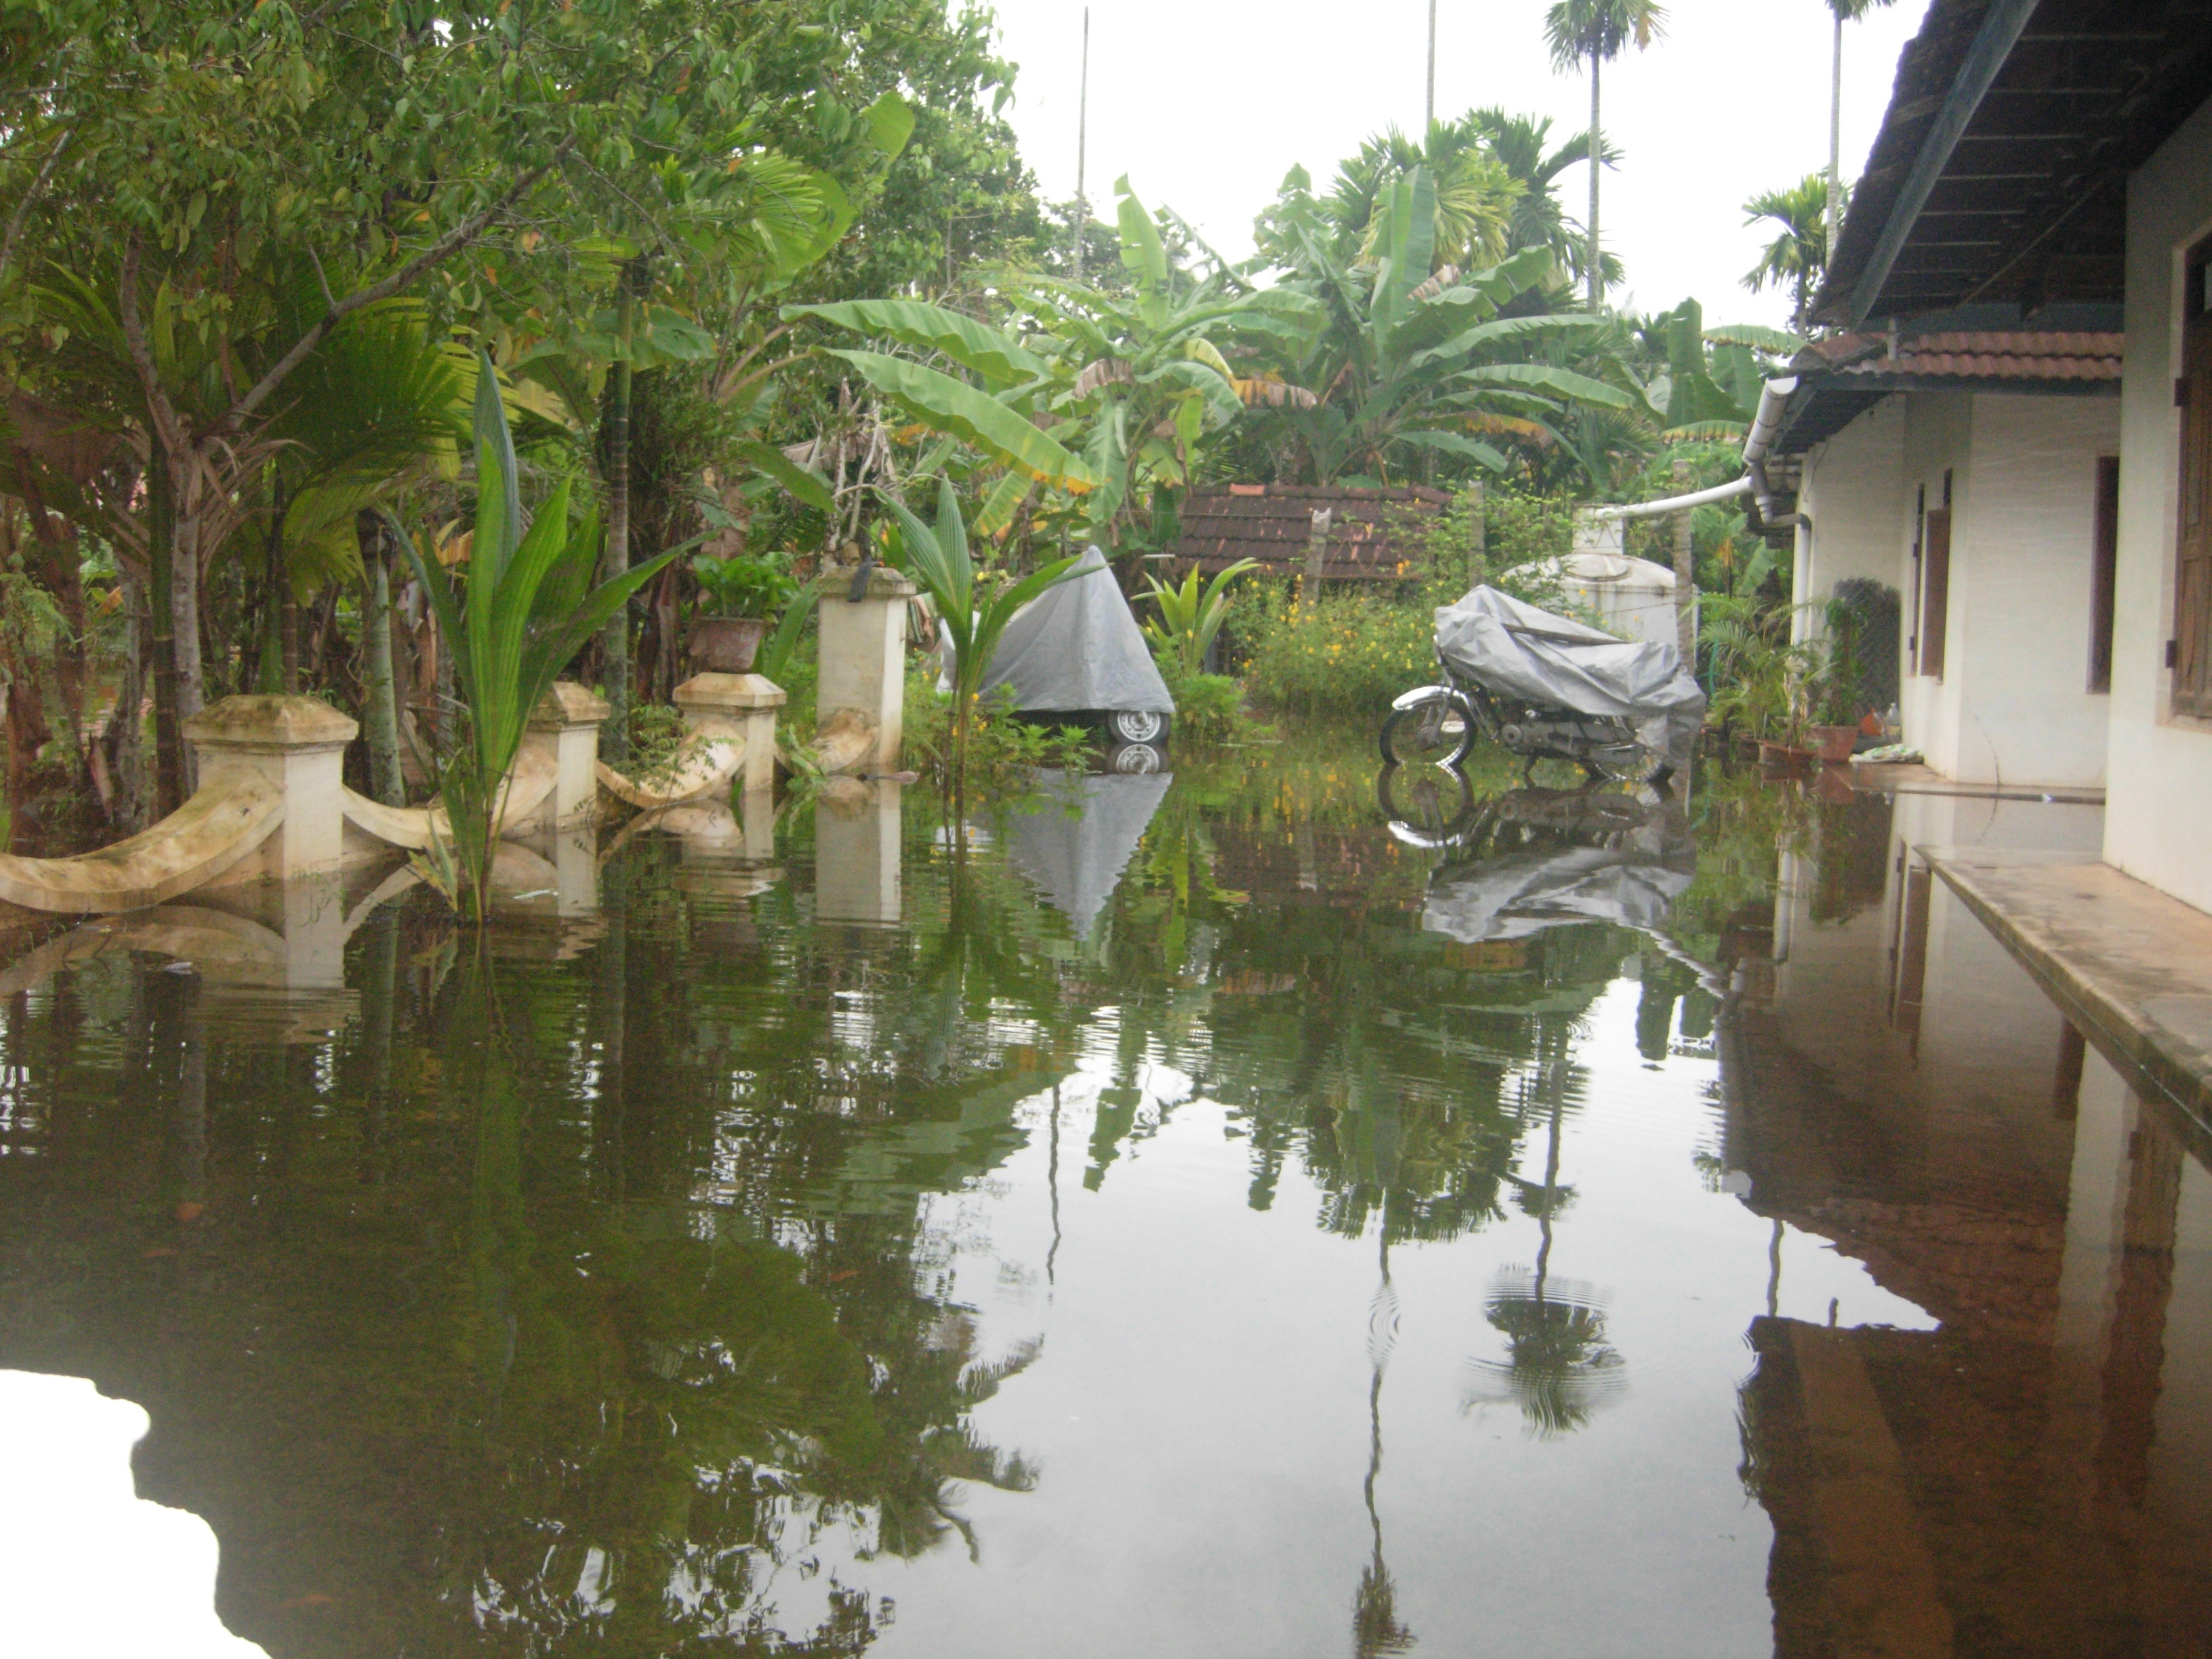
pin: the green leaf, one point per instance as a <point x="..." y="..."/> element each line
<point x="1452" y="443"/>
<point x="996" y="356"/>
<point x="953" y="406"/>
<point x="1504" y="328"/>
<point x="890" y="122"/>
<point x="1143" y="255"/>
<point x="1576" y="388"/>
<point x="808" y="487"/>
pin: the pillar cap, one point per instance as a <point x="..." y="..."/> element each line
<point x="270" y="723"/>
<point x="730" y="691"/>
<point x="567" y="705"/>
<point x="883" y="583"/>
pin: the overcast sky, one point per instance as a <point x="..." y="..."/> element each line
<point x="1206" y="104"/>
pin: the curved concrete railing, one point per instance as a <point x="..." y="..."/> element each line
<point x="272" y="800"/>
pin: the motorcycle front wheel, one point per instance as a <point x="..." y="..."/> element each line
<point x="1431" y="734"/>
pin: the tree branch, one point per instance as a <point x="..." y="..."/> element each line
<point x="161" y="413"/>
<point x="439" y="251"/>
<point x="37" y="188"/>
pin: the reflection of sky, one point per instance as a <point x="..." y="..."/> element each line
<point x="1200" y="1411"/>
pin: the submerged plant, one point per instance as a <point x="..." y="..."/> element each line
<point x="1189" y="619"/>
<point x="523" y="608"/>
<point x="971" y="619"/>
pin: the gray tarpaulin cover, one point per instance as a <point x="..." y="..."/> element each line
<point x="1517" y="650"/>
<point x="1077" y="645"/>
<point x="1075" y="837"/>
<point x="1631" y="879"/>
<point x="1525" y="893"/>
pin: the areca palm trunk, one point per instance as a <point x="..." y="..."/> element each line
<point x="382" y="724"/>
<point x="1596" y="164"/>
<point x="1835" y="146"/>
<point x="614" y="736"/>
<point x="160" y="561"/>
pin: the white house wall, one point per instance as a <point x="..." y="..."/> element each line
<point x="2019" y="597"/>
<point x="2013" y="706"/>
<point x="2161" y="793"/>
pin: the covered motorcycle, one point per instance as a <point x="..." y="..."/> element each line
<point x="1542" y="685"/>
<point x="1076" y="651"/>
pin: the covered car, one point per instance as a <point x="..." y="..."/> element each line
<point x="1513" y="649"/>
<point x="1076" y="650"/>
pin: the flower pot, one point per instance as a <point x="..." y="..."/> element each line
<point x="724" y="645"/>
<point x="1832" y="743"/>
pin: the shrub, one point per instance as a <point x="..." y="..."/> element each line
<point x="1345" y="653"/>
<point x="1209" y="708"/>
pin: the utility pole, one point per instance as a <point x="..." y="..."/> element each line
<point x="1082" y="144"/>
<point x="1431" y="120"/>
<point x="1835" y="142"/>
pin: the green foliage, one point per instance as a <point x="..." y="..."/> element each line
<point x="745" y="584"/>
<point x="523" y="609"/>
<point x="1003" y="750"/>
<point x="1339" y="655"/>
<point x="972" y="617"/>
<point x="1798" y="258"/>
<point x="1209" y="708"/>
<point x="1189" y="619"/>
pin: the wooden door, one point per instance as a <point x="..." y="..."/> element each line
<point x="2192" y="652"/>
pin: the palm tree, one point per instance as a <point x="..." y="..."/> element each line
<point x="1600" y="31"/>
<point x="1477" y="195"/>
<point x="1519" y="142"/>
<point x="1845" y="11"/>
<point x="1796" y="257"/>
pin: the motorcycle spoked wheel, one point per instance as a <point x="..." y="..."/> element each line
<point x="1437" y="803"/>
<point x="1433" y="734"/>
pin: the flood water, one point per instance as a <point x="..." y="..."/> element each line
<point x="1165" y="1216"/>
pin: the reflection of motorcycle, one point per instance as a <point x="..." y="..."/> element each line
<point x="1536" y="858"/>
<point x="1545" y="687"/>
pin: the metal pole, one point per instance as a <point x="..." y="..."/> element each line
<point x="1082" y="146"/>
<point x="1432" y="69"/>
<point x="1835" y="145"/>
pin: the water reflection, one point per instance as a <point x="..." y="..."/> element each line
<point x="846" y="1230"/>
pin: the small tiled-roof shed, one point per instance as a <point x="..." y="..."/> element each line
<point x="1273" y="523"/>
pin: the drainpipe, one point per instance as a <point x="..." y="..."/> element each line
<point x="1766" y="424"/>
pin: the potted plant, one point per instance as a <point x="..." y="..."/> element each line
<point x="737" y="597"/>
<point x="1831" y="688"/>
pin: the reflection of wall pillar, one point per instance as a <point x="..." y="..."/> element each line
<point x="863" y="684"/>
<point x="297" y="743"/>
<point x="856" y="854"/>
<point x="749" y="701"/>
<point x="567" y="720"/>
<point x="2088" y="1277"/>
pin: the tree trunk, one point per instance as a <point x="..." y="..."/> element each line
<point x="1686" y="576"/>
<point x="614" y="736"/>
<point x="126" y="750"/>
<point x="184" y="605"/>
<point x="161" y="557"/>
<point x="1596" y="165"/>
<point x="381" y="703"/>
<point x="1835" y="152"/>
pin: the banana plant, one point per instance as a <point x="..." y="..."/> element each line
<point x="523" y="609"/>
<point x="937" y="556"/>
<point x="1189" y="618"/>
<point x="1108" y="402"/>
<point x="1418" y="360"/>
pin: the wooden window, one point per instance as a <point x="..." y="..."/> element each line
<point x="2104" y="566"/>
<point x="2190" y="653"/>
<point x="1919" y="544"/>
<point x="1935" y="590"/>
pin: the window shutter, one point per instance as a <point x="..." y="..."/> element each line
<point x="1935" y="590"/>
<point x="2192" y="575"/>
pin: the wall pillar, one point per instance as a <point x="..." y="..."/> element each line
<point x="862" y="702"/>
<point x="297" y="743"/>
<point x="749" y="703"/>
<point x="567" y="717"/>
<point x="857" y="853"/>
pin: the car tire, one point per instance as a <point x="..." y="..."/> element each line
<point x="1138" y="725"/>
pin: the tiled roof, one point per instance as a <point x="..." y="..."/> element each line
<point x="1272" y="523"/>
<point x="1973" y="356"/>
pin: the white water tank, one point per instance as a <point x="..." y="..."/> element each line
<point x="1632" y="597"/>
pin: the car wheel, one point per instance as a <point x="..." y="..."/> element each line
<point x="1138" y="725"/>
<point x="1135" y="759"/>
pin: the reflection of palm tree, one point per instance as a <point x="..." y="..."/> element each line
<point x="1375" y="1627"/>
<point x="1558" y="1368"/>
